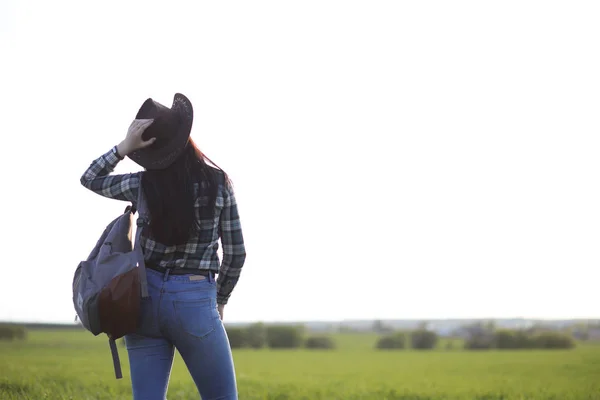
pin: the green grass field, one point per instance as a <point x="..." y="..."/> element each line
<point x="76" y="365"/>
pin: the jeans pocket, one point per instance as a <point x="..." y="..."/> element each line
<point x="195" y="317"/>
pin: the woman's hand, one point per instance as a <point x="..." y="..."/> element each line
<point x="221" y="309"/>
<point x="133" y="141"/>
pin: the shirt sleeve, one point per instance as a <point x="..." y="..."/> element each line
<point x="234" y="252"/>
<point x="120" y="187"/>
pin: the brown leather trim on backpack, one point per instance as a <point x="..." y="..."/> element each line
<point x="119" y="305"/>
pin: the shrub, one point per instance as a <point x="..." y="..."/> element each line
<point x="284" y="337"/>
<point x="479" y="336"/>
<point x="320" y="342"/>
<point x="483" y="342"/>
<point x="12" y="332"/>
<point x="552" y="340"/>
<point x="392" y="342"/>
<point x="256" y="336"/>
<point x="507" y="339"/>
<point x="423" y="339"/>
<point x="237" y="337"/>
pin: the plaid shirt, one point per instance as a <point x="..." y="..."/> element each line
<point x="201" y="249"/>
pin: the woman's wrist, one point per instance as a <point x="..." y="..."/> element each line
<point x="123" y="150"/>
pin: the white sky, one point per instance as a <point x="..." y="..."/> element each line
<point x="391" y="159"/>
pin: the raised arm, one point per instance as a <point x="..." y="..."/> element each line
<point x="97" y="177"/>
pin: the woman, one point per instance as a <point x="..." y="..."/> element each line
<point x="191" y="206"/>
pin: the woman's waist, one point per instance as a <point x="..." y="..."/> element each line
<point x="180" y="269"/>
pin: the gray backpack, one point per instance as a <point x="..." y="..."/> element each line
<point x="109" y="285"/>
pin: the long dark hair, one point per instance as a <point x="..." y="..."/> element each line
<point x="171" y="195"/>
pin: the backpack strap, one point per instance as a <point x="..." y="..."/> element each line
<point x="115" y="357"/>
<point x="142" y="221"/>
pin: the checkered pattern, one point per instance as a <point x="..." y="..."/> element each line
<point x="201" y="249"/>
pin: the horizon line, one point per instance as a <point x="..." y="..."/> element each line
<point x="339" y="321"/>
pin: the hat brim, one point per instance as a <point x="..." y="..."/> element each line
<point x="161" y="158"/>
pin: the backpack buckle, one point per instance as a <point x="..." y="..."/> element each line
<point x="141" y="222"/>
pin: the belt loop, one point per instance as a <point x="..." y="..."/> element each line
<point x="166" y="276"/>
<point x="210" y="278"/>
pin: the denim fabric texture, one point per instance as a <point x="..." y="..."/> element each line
<point x="181" y="313"/>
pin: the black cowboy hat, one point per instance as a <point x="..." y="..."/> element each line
<point x="171" y="128"/>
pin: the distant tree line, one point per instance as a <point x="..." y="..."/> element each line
<point x="279" y="336"/>
<point x="12" y="332"/>
<point x="507" y="339"/>
<point x="503" y="339"/>
<point x="420" y="339"/>
<point x="259" y="335"/>
<point x="586" y="331"/>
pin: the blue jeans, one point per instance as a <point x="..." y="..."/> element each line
<point x="180" y="313"/>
